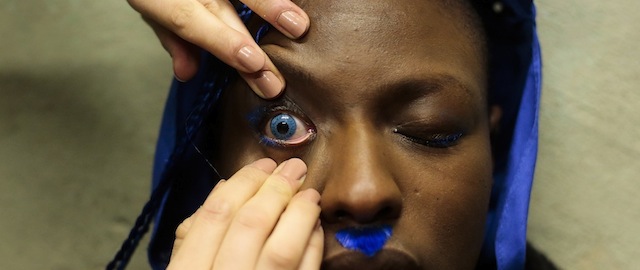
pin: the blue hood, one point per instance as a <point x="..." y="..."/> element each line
<point x="182" y="178"/>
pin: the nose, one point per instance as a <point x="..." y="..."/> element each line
<point x="359" y="187"/>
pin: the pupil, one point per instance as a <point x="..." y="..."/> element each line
<point x="282" y="127"/>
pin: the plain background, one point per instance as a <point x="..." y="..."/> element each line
<point x="82" y="85"/>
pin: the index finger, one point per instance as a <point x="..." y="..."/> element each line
<point x="194" y="22"/>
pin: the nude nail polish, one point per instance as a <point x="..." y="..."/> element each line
<point x="293" y="169"/>
<point x="310" y="195"/>
<point x="293" y="23"/>
<point x="269" y="84"/>
<point x="250" y="58"/>
<point x="266" y="165"/>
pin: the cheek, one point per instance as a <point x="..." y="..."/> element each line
<point x="446" y="201"/>
<point x="235" y="152"/>
<point x="237" y="143"/>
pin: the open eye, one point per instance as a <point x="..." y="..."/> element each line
<point x="285" y="129"/>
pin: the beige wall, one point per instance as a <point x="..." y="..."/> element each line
<point x="82" y="85"/>
<point x="586" y="209"/>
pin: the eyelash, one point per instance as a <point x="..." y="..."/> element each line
<point x="440" y="140"/>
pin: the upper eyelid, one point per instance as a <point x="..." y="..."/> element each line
<point x="448" y="140"/>
<point x="283" y="103"/>
<point x="258" y="114"/>
<point x="291" y="105"/>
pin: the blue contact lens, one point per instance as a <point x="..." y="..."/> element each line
<point x="283" y="126"/>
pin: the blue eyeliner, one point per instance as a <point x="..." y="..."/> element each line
<point x="255" y="116"/>
<point x="368" y="240"/>
<point x="443" y="141"/>
<point x="269" y="142"/>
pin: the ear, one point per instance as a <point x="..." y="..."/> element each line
<point x="495" y="115"/>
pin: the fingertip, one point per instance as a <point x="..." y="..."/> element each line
<point x="185" y="64"/>
<point x="265" y="164"/>
<point x="251" y="58"/>
<point x="298" y="162"/>
<point x="318" y="226"/>
<point x="294" y="23"/>
<point x="310" y="194"/>
<point x="266" y="84"/>
<point x="218" y="185"/>
<point x="181" y="75"/>
<point x="293" y="170"/>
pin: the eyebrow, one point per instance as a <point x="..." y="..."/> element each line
<point x="292" y="68"/>
<point x="407" y="89"/>
<point x="412" y="88"/>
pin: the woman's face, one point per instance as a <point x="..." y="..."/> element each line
<point x="386" y="103"/>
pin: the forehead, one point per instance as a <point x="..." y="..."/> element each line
<point x="366" y="43"/>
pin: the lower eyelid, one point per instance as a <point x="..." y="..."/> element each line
<point x="308" y="136"/>
<point x="280" y="143"/>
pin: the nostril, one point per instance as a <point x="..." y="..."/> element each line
<point x="341" y="214"/>
<point x="385" y="212"/>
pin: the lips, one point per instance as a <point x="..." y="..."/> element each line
<point x="387" y="258"/>
<point x="393" y="255"/>
<point x="368" y="239"/>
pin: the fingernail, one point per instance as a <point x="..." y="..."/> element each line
<point x="266" y="165"/>
<point x="251" y="59"/>
<point x="279" y="168"/>
<point x="269" y="84"/>
<point x="178" y="78"/>
<point x="218" y="185"/>
<point x="293" y="169"/>
<point x="311" y="195"/>
<point x="293" y="23"/>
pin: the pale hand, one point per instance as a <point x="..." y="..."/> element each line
<point x="184" y="25"/>
<point x="254" y="221"/>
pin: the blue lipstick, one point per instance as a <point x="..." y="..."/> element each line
<point x="368" y="240"/>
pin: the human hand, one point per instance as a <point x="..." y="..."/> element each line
<point x="254" y="221"/>
<point x="184" y="25"/>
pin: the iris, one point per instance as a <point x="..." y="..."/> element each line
<point x="283" y="126"/>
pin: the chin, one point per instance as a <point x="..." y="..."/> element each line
<point x="387" y="258"/>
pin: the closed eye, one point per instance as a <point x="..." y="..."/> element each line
<point x="437" y="140"/>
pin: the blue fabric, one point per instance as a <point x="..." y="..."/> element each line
<point x="515" y="84"/>
<point x="182" y="179"/>
<point x="181" y="175"/>
<point x="513" y="206"/>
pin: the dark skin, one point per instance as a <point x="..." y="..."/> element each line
<point x="391" y="98"/>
